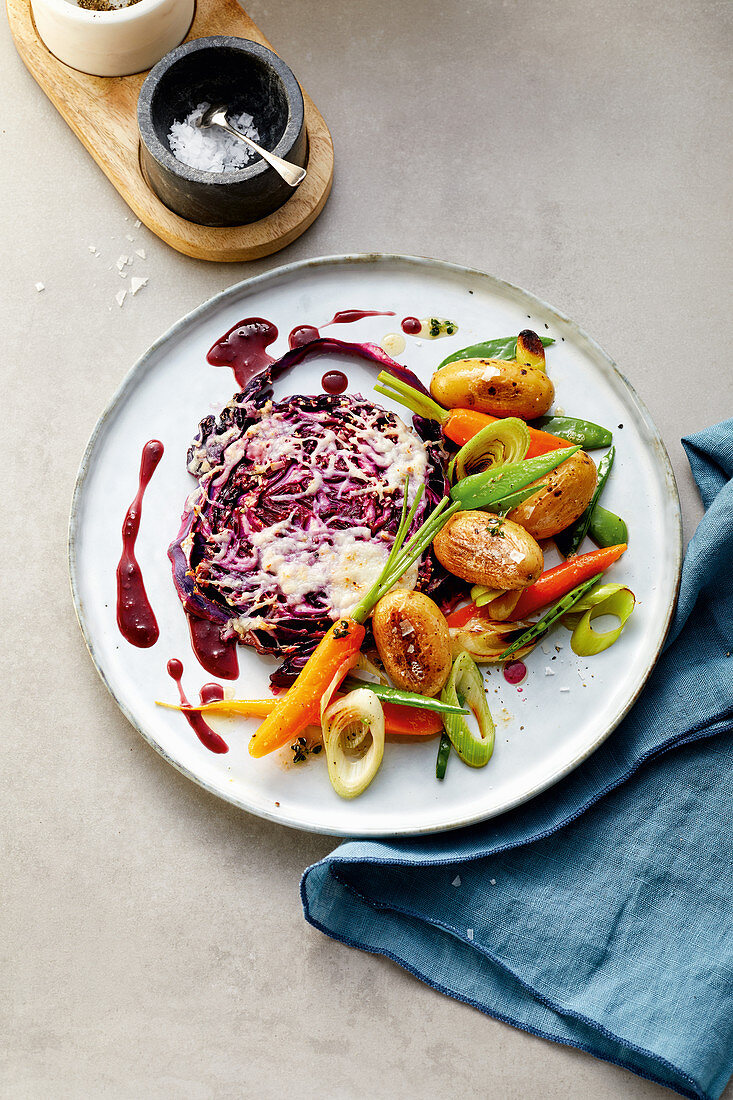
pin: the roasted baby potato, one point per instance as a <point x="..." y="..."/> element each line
<point x="567" y="493"/>
<point x="412" y="638"/>
<point x="482" y="548"/>
<point x="501" y="387"/>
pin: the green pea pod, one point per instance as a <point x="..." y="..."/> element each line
<point x="387" y="694"/>
<point x="570" y="539"/>
<point x="590" y="436"/>
<point x="586" y="641"/>
<point x="503" y="348"/>
<point x="503" y="506"/>
<point x="550" y="617"/>
<point x="492" y="486"/>
<point x="466" y="683"/>
<point x="443" y="753"/>
<point x="606" y="528"/>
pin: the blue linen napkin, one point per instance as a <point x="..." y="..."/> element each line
<point x="599" y="913"/>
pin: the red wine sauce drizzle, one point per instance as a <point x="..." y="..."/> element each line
<point x="515" y="672"/>
<point x="411" y="326"/>
<point x="334" y="381"/>
<point x="302" y="335"/>
<point x="203" y="731"/>
<point x="216" y="656"/>
<point x="135" y="616"/>
<point x="211" y="693"/>
<point x="348" y="316"/>
<point x="243" y="348"/>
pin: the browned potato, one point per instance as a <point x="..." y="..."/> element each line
<point x="496" y="386"/>
<point x="482" y="548"/>
<point x="413" y="641"/>
<point x="568" y="490"/>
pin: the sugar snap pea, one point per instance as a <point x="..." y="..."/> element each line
<point x="490" y="487"/>
<point x="606" y="528"/>
<point x="551" y="616"/>
<point x="441" y="762"/>
<point x="590" y="436"/>
<point x="570" y="539"/>
<point x="403" y="698"/>
<point x="503" y="348"/>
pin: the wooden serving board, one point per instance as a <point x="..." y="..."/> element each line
<point x="102" y="112"/>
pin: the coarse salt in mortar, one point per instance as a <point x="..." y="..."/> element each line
<point x="212" y="149"/>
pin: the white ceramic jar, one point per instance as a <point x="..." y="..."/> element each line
<point x="112" y="43"/>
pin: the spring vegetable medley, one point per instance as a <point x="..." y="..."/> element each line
<point x="381" y="564"/>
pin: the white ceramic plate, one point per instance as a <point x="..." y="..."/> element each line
<point x="543" y="731"/>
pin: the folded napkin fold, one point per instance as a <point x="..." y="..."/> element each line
<point x="599" y="913"/>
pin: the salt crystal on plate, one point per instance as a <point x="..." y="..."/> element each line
<point x="120" y="296"/>
<point x="456" y="881"/>
<point x="136" y="284"/>
<point x="140" y="252"/>
<point x="564" y="689"/>
<point x="129" y="237"/>
<point x="121" y="262"/>
<point x="137" y="223"/>
<point x="91" y="248"/>
<point x="40" y="287"/>
<point x="549" y="671"/>
<point x="212" y="149"/>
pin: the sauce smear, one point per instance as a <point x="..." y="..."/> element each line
<point x="302" y="335"/>
<point x="135" y="616"/>
<point x="348" y="316"/>
<point x="211" y="693"/>
<point x="515" y="672"/>
<point x="243" y="348"/>
<point x="334" y="381"/>
<point x="216" y="656"/>
<point x="210" y="740"/>
<point x="411" y="325"/>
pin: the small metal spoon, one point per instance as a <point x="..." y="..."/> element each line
<point x="216" y="115"/>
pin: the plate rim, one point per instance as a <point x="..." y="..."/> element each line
<point x="241" y="289"/>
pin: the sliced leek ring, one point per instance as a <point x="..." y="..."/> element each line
<point x="466" y="685"/>
<point x="486" y="640"/>
<point x="499" y="444"/>
<point x="585" y="641"/>
<point x="353" y="740"/>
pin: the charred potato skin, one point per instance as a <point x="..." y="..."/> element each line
<point x="496" y="386"/>
<point x="483" y="549"/>
<point x="567" y="494"/>
<point x="419" y="660"/>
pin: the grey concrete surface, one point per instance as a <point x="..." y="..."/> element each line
<point x="152" y="938"/>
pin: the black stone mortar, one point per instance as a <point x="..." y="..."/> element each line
<point x="243" y="76"/>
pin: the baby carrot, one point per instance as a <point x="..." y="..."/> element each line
<point x="563" y="578"/>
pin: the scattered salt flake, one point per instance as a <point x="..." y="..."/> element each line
<point x="137" y="223"/>
<point x="492" y="881"/>
<point x="129" y="260"/>
<point x="559" y="411"/>
<point x="456" y="881"/>
<point x="122" y="274"/>
<point x="549" y="671"/>
<point x="136" y="283"/>
<point x="129" y="237"/>
<point x="564" y="689"/>
<point x="469" y="933"/>
<point x="140" y="252"/>
<point x="121" y="262"/>
<point x="40" y="287"/>
<point x="544" y="648"/>
<point x="120" y="296"/>
<point x="92" y="248"/>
